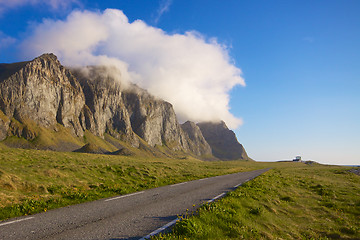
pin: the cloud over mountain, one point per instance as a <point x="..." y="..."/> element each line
<point x="195" y="74"/>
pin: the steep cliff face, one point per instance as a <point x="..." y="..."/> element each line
<point x="222" y="141"/>
<point x="104" y="111"/>
<point x="197" y="143"/>
<point x="154" y="120"/>
<point x="43" y="94"/>
<point x="42" y="91"/>
<point x="128" y="112"/>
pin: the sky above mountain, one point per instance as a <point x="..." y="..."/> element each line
<point x="284" y="75"/>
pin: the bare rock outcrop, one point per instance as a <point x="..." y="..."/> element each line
<point x="104" y="111"/>
<point x="197" y="143"/>
<point x="128" y="113"/>
<point x="44" y="92"/>
<point x="222" y="141"/>
<point x="153" y="120"/>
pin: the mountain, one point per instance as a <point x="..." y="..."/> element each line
<point x="40" y="92"/>
<point x="198" y="144"/>
<point x="47" y="106"/>
<point x="222" y="141"/>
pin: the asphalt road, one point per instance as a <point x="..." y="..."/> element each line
<point x="131" y="216"/>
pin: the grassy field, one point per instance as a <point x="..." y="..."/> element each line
<point x="32" y="181"/>
<point x="291" y="201"/>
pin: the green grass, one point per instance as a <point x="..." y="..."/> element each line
<point x="291" y="201"/>
<point x="41" y="137"/>
<point x="32" y="181"/>
<point x="97" y="141"/>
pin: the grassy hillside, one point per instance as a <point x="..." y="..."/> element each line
<point x="35" y="180"/>
<point x="59" y="138"/>
<point x="291" y="201"/>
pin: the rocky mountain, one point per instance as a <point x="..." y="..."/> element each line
<point x="222" y="141"/>
<point x="41" y="91"/>
<point x="41" y="98"/>
<point x="200" y="146"/>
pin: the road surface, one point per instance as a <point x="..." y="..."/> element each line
<point x="132" y="216"/>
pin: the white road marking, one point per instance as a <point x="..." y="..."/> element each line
<point x="20" y="220"/>
<point x="218" y="196"/>
<point x="160" y="229"/>
<point x="237" y="185"/>
<point x="178" y="184"/>
<point x="177" y="219"/>
<point x="128" y="195"/>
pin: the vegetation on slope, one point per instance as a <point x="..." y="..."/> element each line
<point x="291" y="201"/>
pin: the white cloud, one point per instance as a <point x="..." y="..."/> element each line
<point x="54" y="4"/>
<point x="189" y="71"/>
<point x="5" y="40"/>
<point x="164" y="7"/>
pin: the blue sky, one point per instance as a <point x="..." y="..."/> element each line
<point x="300" y="61"/>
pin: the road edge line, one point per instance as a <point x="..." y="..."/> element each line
<point x="123" y="196"/>
<point x="157" y="231"/>
<point x="19" y="220"/>
<point x="218" y="196"/>
<point x="177" y="184"/>
<point x="169" y="224"/>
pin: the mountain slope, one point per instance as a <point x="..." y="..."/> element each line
<point x="41" y="96"/>
<point x="47" y="106"/>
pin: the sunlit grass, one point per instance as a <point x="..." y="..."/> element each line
<point x="291" y="201"/>
<point x="32" y="181"/>
<point x="288" y="202"/>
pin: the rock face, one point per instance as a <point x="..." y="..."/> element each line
<point x="43" y="93"/>
<point x="153" y="120"/>
<point x="222" y="141"/>
<point x="104" y="111"/>
<point x="197" y="143"/>
<point x="127" y="113"/>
